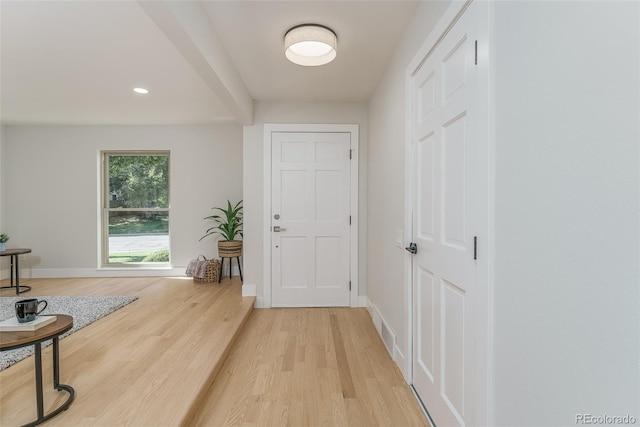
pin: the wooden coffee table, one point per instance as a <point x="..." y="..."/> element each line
<point x="11" y="340"/>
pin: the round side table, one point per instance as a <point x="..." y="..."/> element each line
<point x="17" y="339"/>
<point x="15" y="256"/>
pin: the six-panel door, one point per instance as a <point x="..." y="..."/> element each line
<point x="310" y="219"/>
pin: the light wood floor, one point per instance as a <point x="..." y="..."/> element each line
<point x="138" y="367"/>
<point x="309" y="367"/>
<point x="146" y="364"/>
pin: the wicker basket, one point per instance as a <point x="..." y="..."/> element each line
<point x="212" y="271"/>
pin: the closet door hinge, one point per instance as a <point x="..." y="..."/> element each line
<point x="349" y="284"/>
<point x="476" y="52"/>
<point x="475" y="247"/>
<point x="350" y="154"/>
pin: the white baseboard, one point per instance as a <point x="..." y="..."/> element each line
<point x="369" y="307"/>
<point x="375" y="315"/>
<point x="55" y="273"/>
<point x="249" y="290"/>
<point x="384" y="330"/>
<point x="402" y="362"/>
<point x="27" y="272"/>
<point x="396" y="354"/>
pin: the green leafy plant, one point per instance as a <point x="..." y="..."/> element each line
<point x="228" y="224"/>
<point x="4" y="238"/>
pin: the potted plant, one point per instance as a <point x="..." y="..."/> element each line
<point x="4" y="238"/>
<point x="228" y="224"/>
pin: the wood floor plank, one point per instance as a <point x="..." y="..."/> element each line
<point x="348" y="390"/>
<point x="146" y="364"/>
<point x="308" y="391"/>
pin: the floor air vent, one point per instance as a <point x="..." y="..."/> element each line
<point x="388" y="337"/>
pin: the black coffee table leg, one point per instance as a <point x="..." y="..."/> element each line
<point x="56" y="379"/>
<point x="56" y="383"/>
<point x="39" y="394"/>
<point x="11" y="272"/>
<point x="17" y="273"/>
<point x="15" y="266"/>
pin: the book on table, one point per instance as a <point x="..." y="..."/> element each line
<point x="12" y="324"/>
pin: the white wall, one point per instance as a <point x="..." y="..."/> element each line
<point x="386" y="288"/>
<point x="51" y="200"/>
<point x="292" y="112"/>
<point x="2" y="181"/>
<point x="567" y="192"/>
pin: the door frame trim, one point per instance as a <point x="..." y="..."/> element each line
<point x="353" y="130"/>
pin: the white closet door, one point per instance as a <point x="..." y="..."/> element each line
<point x="449" y="196"/>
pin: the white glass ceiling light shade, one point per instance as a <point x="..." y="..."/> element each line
<point x="310" y="45"/>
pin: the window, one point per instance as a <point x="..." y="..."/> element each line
<point x="135" y="208"/>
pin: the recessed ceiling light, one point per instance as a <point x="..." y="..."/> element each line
<point x="140" y="90"/>
<point x="310" y="45"/>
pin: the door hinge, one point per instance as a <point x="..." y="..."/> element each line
<point x="349" y="219"/>
<point x="475" y="247"/>
<point x="350" y="154"/>
<point x="349" y="284"/>
<point x="476" y="54"/>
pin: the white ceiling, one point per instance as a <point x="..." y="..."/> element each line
<point x="66" y="62"/>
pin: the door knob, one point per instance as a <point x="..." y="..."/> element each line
<point x="277" y="229"/>
<point x="413" y="248"/>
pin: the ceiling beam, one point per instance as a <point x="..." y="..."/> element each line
<point x="188" y="27"/>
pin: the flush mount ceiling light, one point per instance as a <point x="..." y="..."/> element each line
<point x="310" y="45"/>
<point x="141" y="90"/>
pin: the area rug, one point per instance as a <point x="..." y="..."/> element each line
<point x="83" y="309"/>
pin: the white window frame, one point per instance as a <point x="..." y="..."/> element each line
<point x="105" y="209"/>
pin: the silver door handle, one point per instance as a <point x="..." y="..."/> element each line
<point x="277" y="229"/>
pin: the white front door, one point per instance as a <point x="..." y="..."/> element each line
<point x="449" y="215"/>
<point x="310" y="216"/>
